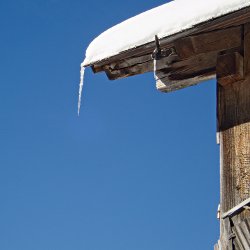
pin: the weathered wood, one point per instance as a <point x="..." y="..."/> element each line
<point x="233" y="116"/>
<point x="229" y="68"/>
<point x="186" y="66"/>
<point x="219" y="40"/>
<point x="236" y="209"/>
<point x="242" y="235"/>
<point x="186" y="73"/>
<point x="216" y="42"/>
<point x="167" y="85"/>
<point x="246" y="41"/>
<point x="126" y="63"/>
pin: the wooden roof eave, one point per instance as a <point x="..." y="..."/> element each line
<point x="196" y="53"/>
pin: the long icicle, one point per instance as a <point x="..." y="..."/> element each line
<point x="80" y="88"/>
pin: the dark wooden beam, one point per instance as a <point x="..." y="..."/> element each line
<point x="229" y="68"/>
<point x="219" y="40"/>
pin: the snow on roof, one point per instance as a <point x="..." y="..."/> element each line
<point x="163" y="21"/>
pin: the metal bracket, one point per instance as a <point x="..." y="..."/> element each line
<point x="160" y="53"/>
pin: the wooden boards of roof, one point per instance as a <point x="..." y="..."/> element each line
<point x="199" y="54"/>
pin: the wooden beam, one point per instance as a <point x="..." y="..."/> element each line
<point x="229" y="68"/>
<point x="233" y="115"/>
<point x="202" y="44"/>
<point x="236" y="209"/>
<point x="186" y="73"/>
<point x="246" y="40"/>
<point x="121" y="70"/>
<point x="167" y="85"/>
<point x="219" y="40"/>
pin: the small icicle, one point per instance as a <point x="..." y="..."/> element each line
<point x="155" y="69"/>
<point x="80" y="87"/>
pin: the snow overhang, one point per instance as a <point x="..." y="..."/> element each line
<point x="191" y="34"/>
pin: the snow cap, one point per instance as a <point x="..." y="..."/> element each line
<point x="165" y="20"/>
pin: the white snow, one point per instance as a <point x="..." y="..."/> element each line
<point x="165" y="20"/>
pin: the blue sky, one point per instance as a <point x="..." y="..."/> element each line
<point x="138" y="170"/>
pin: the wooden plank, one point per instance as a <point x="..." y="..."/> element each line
<point x="229" y="68"/>
<point x="167" y="85"/>
<point x="212" y="41"/>
<point x="116" y="72"/>
<point x="226" y="243"/>
<point x="186" y="73"/>
<point x="191" y="67"/>
<point x="124" y="63"/>
<point x="242" y="233"/>
<point x="215" y="42"/>
<point x="236" y="209"/>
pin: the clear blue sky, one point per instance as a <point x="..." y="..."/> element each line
<point x="138" y="170"/>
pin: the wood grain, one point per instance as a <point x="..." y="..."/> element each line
<point x="229" y="68"/>
<point x="233" y="116"/>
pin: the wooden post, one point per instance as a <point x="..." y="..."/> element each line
<point x="233" y="114"/>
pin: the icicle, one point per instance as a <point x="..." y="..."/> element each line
<point x="155" y="69"/>
<point x="80" y="87"/>
<point x="156" y="54"/>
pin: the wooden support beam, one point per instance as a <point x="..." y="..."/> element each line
<point x="233" y="115"/>
<point x="229" y="68"/>
<point x="186" y="73"/>
<point x="219" y="40"/>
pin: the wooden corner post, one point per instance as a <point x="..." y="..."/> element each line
<point x="233" y="116"/>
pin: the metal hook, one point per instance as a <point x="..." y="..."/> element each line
<point x="156" y="55"/>
<point x="159" y="53"/>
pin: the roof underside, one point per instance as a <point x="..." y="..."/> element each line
<point x="195" y="48"/>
